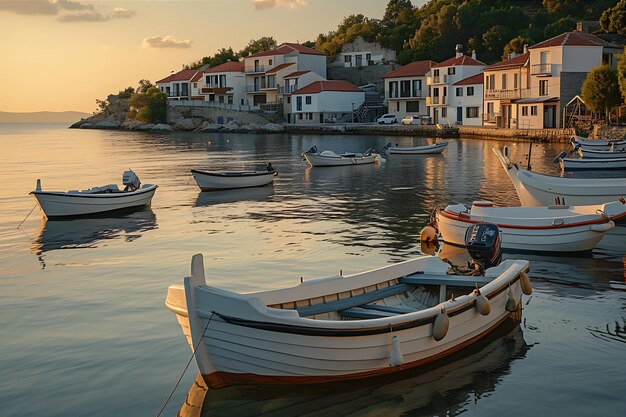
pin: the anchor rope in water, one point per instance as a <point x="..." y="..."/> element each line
<point x="186" y="366"/>
<point x="29" y="213"/>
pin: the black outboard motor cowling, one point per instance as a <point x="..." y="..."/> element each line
<point x="483" y="244"/>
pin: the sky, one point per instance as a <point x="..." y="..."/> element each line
<point x="60" y="55"/>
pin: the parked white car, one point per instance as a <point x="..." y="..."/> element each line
<point x="387" y="119"/>
<point x="411" y="120"/>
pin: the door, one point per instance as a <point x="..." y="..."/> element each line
<point x="549" y="119"/>
<point x="506" y="116"/>
<point x="459" y="115"/>
<point x="436" y="116"/>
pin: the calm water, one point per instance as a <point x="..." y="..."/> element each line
<point x="84" y="331"/>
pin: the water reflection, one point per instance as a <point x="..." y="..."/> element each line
<point x="443" y="389"/>
<point x="210" y="198"/>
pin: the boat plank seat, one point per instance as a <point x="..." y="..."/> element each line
<point x="388" y="309"/>
<point x="455" y="280"/>
<point x="364" y="313"/>
<point x="354" y="301"/>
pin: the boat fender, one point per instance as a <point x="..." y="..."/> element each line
<point x="395" y="356"/>
<point x="441" y="325"/>
<point x="527" y="288"/>
<point x="482" y="303"/>
<point x="511" y="304"/>
<point x="428" y="234"/>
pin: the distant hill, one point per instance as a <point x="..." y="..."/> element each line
<point x="42" y="116"/>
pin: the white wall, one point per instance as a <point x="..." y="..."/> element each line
<point x="315" y="63"/>
<point x="329" y="101"/>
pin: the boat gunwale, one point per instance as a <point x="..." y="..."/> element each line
<point x="235" y="174"/>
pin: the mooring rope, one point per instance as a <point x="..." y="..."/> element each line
<point x="186" y="366"/>
<point x="31" y="210"/>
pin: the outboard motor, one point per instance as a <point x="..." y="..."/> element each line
<point x="483" y="245"/>
<point x="130" y="180"/>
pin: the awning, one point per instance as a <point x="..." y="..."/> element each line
<point x="536" y="100"/>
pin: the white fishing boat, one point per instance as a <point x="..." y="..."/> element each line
<point x="536" y="229"/>
<point x="224" y="180"/>
<point x="535" y="189"/>
<point x="343" y="327"/>
<point x="600" y="154"/>
<point x="599" y="144"/>
<point x="427" y="149"/>
<point x="577" y="164"/>
<point x="96" y="200"/>
<point x="331" y="159"/>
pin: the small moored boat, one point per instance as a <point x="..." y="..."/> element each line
<point x="535" y="189"/>
<point x="214" y="180"/>
<point x="331" y="159"/>
<point x="534" y="229"/>
<point x="96" y="200"/>
<point x="427" y="149"/>
<point x="599" y="144"/>
<point x="346" y="327"/>
<point x="600" y="154"/>
<point x="576" y="164"/>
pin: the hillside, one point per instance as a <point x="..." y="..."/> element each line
<point x="42" y="117"/>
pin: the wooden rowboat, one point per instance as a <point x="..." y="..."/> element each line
<point x="428" y="149"/>
<point x="534" y="229"/>
<point x="599" y="144"/>
<point x="343" y="327"/>
<point x="213" y="181"/>
<point x="598" y="154"/>
<point x="595" y="164"/>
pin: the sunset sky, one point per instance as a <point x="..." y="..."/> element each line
<point x="63" y="54"/>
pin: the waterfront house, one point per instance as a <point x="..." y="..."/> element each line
<point x="224" y="85"/>
<point x="293" y="82"/>
<point x="360" y="53"/>
<point x="467" y="98"/>
<point x="325" y="101"/>
<point x="406" y="90"/>
<point x="178" y="85"/>
<point x="265" y="72"/>
<point x="505" y="83"/>
<point x="440" y="85"/>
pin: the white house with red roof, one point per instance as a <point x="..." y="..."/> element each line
<point x="443" y="109"/>
<point x="325" y="101"/>
<point x="558" y="67"/>
<point x="293" y="82"/>
<point x="265" y="71"/>
<point x="466" y="96"/>
<point x="224" y="85"/>
<point x="406" y="89"/>
<point x="179" y="85"/>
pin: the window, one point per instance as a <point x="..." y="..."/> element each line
<point x="208" y="80"/>
<point x="471" y="112"/>
<point x="543" y="87"/>
<point x="515" y="81"/>
<point x="417" y="88"/>
<point x="221" y="99"/>
<point x="451" y="71"/>
<point x="393" y="89"/>
<point x="533" y="110"/>
<point x="368" y="57"/>
<point x="444" y="112"/>
<point x="459" y="91"/>
<point x="405" y="88"/>
<point x="397" y="106"/>
<point x="243" y="102"/>
<point x="307" y="99"/>
<point x="195" y="85"/>
<point x="412" y="106"/>
<point x="504" y="81"/>
<point x="491" y="82"/>
<point x="271" y="61"/>
<point x="230" y="99"/>
<point x="299" y="103"/>
<point x="288" y="99"/>
<point x="223" y="80"/>
<point x="347" y="59"/>
<point x="524" y="110"/>
<point x="470" y="91"/>
<point x="436" y="73"/>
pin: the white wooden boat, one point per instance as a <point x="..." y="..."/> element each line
<point x="212" y="180"/>
<point x="617" y="285"/>
<point x="576" y="164"/>
<point x="343" y="327"/>
<point x="598" y="154"/>
<point x="535" y="189"/>
<point x="535" y="229"/>
<point x="331" y="159"/>
<point x="599" y="144"/>
<point x="427" y="149"/>
<point x="97" y="200"/>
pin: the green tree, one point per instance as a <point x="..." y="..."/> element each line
<point x="601" y="91"/>
<point x="613" y="20"/>
<point x="144" y="85"/>
<point x="265" y="43"/>
<point x="621" y="74"/>
<point x="515" y="45"/>
<point x="126" y="93"/>
<point x="394" y="9"/>
<point x="149" y="107"/>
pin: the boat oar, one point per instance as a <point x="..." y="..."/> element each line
<point x="559" y="157"/>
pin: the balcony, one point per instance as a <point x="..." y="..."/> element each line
<point x="255" y="69"/>
<point x="502" y="94"/>
<point x="436" y="101"/>
<point x="215" y="90"/>
<point x="407" y="94"/>
<point x="268" y="86"/>
<point x="287" y="89"/>
<point x="437" y="79"/>
<point x="255" y="88"/>
<point x="541" y="70"/>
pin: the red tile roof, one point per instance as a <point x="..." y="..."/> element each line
<point x="518" y="61"/>
<point x="296" y="74"/>
<point x="278" y="68"/>
<point x="462" y="60"/>
<point x="197" y="76"/>
<point x="414" y="69"/>
<point x="184" y="75"/>
<point x="327" y="85"/>
<point x="287" y="48"/>
<point x="574" y="39"/>
<point x="231" y="66"/>
<point x="474" y="79"/>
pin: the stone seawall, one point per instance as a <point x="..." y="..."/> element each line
<point x="369" y="129"/>
<point x="537" y="135"/>
<point x="608" y="132"/>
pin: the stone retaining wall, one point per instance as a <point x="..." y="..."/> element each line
<point x="608" y="132"/>
<point x="539" y="135"/>
<point x="178" y="111"/>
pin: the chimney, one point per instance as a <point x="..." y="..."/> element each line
<point x="459" y="50"/>
<point x="474" y="54"/>
<point x="526" y="48"/>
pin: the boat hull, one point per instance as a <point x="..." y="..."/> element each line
<point x="208" y="181"/>
<point x="417" y="150"/>
<point x="317" y="160"/>
<point x="572" y="164"/>
<point x="599" y="144"/>
<point x="64" y="205"/>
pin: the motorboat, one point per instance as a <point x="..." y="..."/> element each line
<point x="331" y="159"/>
<point x="96" y="200"/>
<point x="348" y="327"/>
<point x="427" y="149"/>
<point x="578" y="164"/>
<point x="599" y="144"/>
<point x="546" y="229"/>
<point x="225" y="180"/>
<point x="534" y="189"/>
